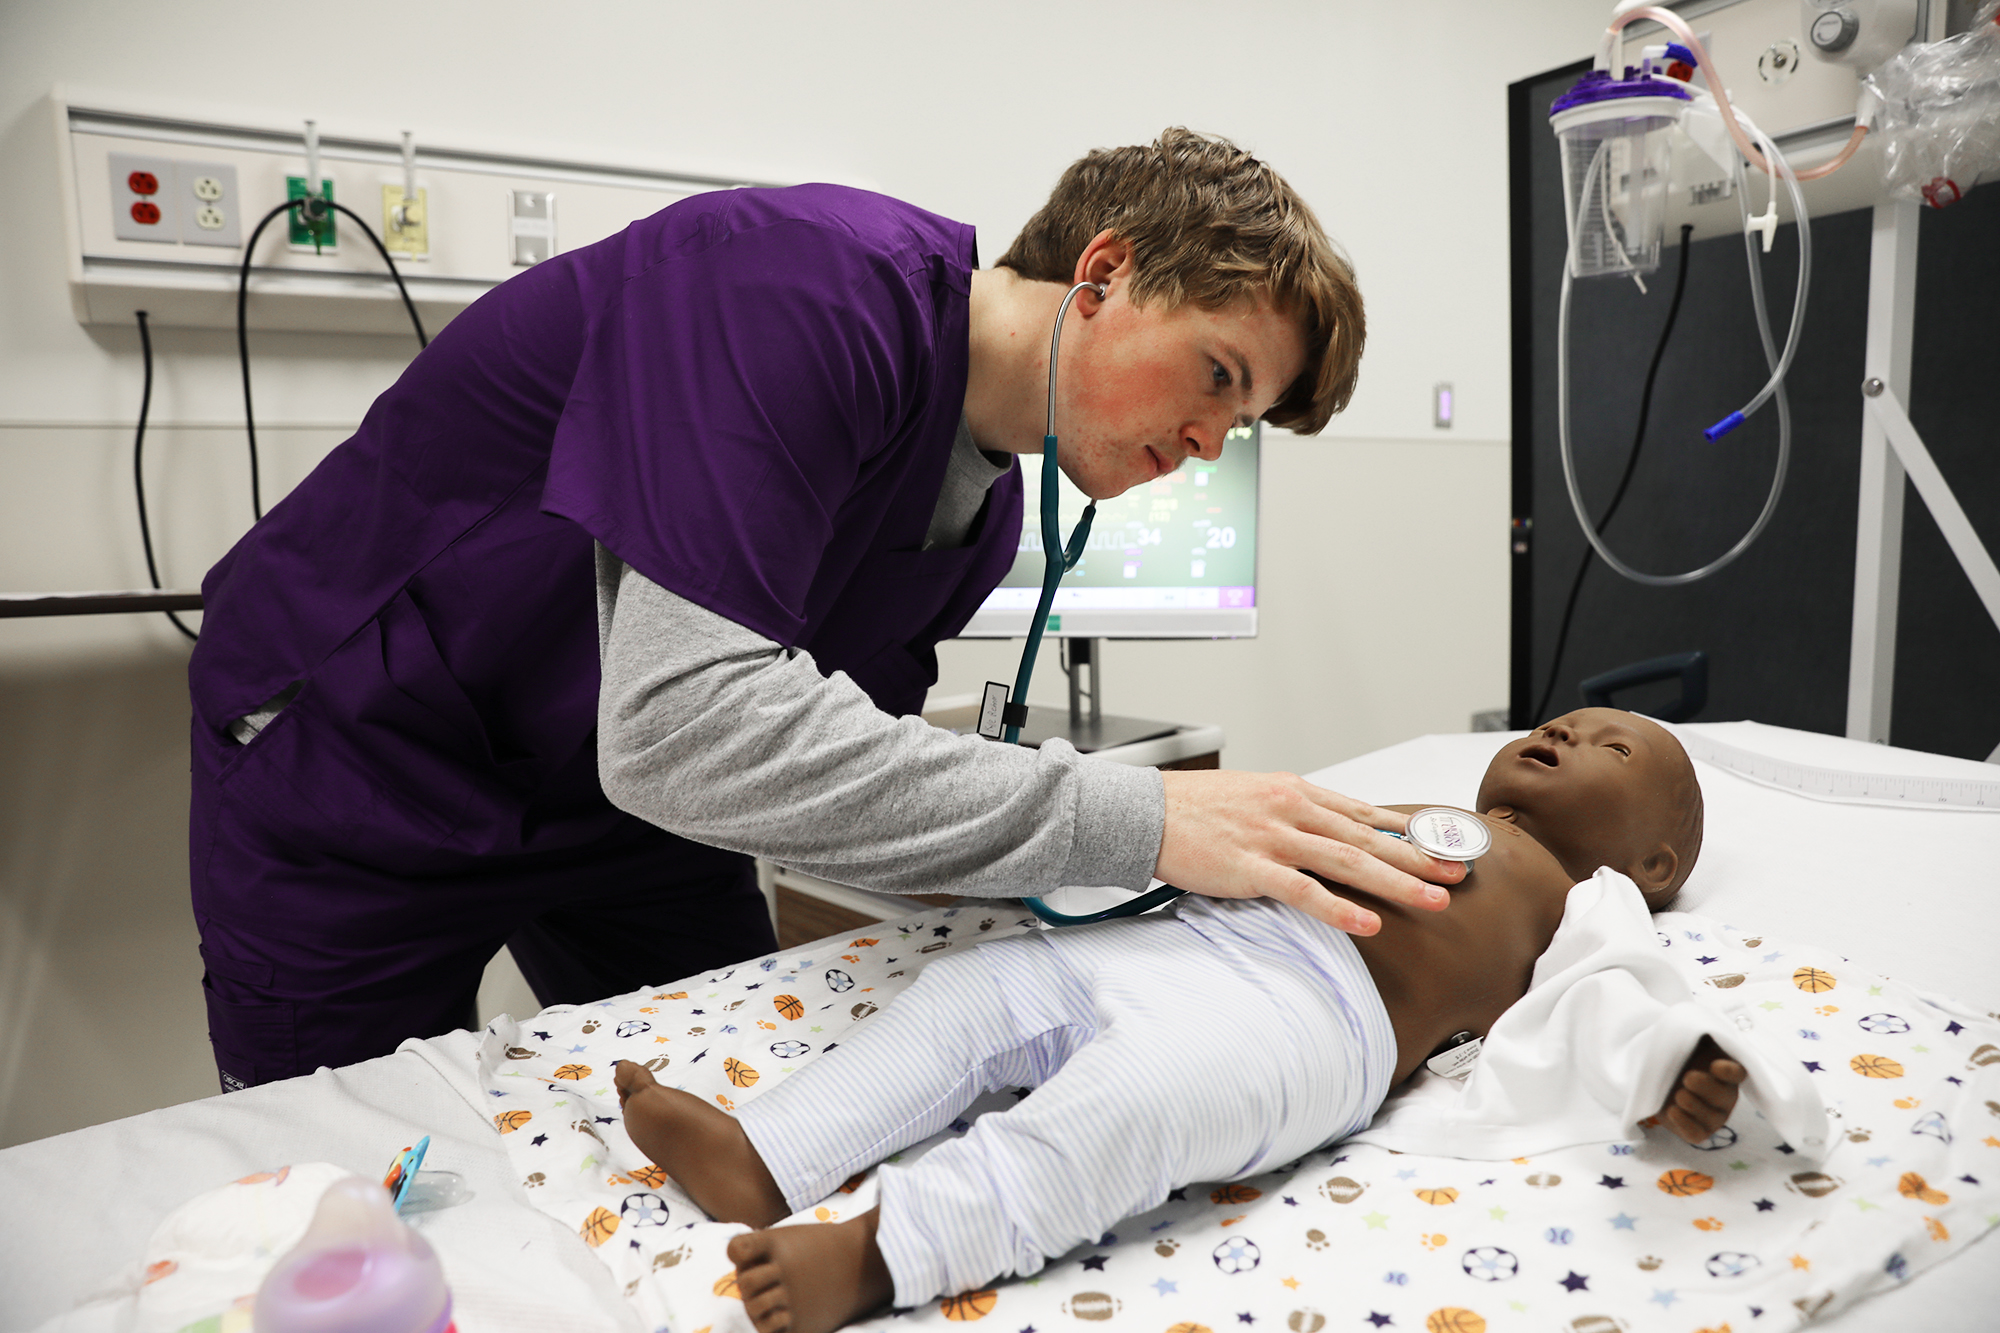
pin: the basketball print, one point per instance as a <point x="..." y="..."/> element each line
<point x="597" y="1228"/>
<point x="1224" y="1195"/>
<point x="1875" y="1066"/>
<point x="789" y="1006"/>
<point x="650" y="1176"/>
<point x="1813" y="981"/>
<point x="738" y="1073"/>
<point x="1437" y="1198"/>
<point x="1454" y="1319"/>
<point x="573" y="1072"/>
<point x="1685" y="1184"/>
<point x="509" y="1121"/>
<point x="968" y="1306"/>
<point x="725" y="1287"/>
<point x="1914" y="1186"/>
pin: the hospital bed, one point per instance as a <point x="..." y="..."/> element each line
<point x="1897" y="872"/>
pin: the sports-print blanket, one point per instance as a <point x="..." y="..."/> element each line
<point x="1650" y="1234"/>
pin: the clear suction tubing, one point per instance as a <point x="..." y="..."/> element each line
<point x="1614" y="134"/>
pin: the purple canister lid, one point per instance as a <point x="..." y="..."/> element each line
<point x="1598" y="86"/>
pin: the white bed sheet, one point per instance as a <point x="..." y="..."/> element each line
<point x="1911" y="893"/>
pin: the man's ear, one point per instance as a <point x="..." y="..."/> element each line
<point x="1100" y="261"/>
<point x="1656" y="870"/>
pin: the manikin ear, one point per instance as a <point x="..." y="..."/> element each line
<point x="1106" y="259"/>
<point x="1505" y="812"/>
<point x="1656" y="870"/>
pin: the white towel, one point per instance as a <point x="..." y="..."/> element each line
<point x="1593" y="1048"/>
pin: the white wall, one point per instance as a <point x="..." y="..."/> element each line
<point x="1389" y="118"/>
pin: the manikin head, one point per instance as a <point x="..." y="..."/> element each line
<point x="1602" y="787"/>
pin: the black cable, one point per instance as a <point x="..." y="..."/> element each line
<point x="138" y="470"/>
<point x="1618" y="496"/>
<point x="243" y="330"/>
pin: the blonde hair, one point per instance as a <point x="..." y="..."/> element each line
<point x="1211" y="224"/>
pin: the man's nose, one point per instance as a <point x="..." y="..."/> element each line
<point x="1203" y="441"/>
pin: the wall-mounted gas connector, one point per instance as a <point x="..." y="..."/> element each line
<point x="531" y="226"/>
<point x="406" y="231"/>
<point x="311" y="235"/>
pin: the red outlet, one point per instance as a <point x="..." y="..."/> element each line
<point x="146" y="213"/>
<point x="144" y="182"/>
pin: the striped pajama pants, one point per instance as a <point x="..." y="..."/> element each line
<point x="1208" y="1043"/>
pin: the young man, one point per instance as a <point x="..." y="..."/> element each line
<point x="1209" y="1042"/>
<point x="772" y="431"/>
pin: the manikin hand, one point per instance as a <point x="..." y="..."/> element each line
<point x="1700" y="1104"/>
<point x="1252" y="835"/>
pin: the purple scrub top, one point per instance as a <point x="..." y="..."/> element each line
<point x="750" y="397"/>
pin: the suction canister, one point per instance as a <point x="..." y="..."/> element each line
<point x="1613" y="134"/>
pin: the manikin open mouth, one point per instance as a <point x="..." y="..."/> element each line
<point x="1543" y="754"/>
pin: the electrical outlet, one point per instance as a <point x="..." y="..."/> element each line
<point x="144" y="204"/>
<point x="212" y="212"/>
<point x="406" y="233"/>
<point x="310" y="237"/>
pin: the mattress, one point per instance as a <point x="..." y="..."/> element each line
<point x="1886" y="885"/>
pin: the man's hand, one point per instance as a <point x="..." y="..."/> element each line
<point x="1701" y="1103"/>
<point x="1253" y="835"/>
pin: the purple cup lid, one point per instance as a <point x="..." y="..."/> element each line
<point x="1599" y="86"/>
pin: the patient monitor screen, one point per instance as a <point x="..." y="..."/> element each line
<point x="1171" y="558"/>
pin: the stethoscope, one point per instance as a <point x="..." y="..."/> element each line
<point x="1058" y="560"/>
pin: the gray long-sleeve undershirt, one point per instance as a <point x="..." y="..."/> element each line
<point x="714" y="732"/>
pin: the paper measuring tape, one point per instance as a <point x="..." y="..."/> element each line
<point x="1976" y="795"/>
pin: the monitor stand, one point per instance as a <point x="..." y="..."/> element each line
<point x="1084" y="724"/>
<point x="1091" y="733"/>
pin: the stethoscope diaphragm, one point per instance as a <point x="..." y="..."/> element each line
<point x="1449" y="835"/>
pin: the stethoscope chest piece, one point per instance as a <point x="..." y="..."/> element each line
<point x="1449" y="835"/>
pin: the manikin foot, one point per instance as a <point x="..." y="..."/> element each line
<point x="811" y="1278"/>
<point x="701" y="1147"/>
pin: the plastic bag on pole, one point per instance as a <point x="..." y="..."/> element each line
<point x="1940" y="119"/>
